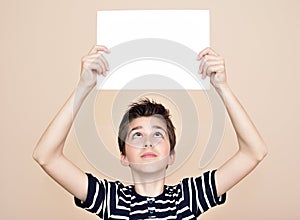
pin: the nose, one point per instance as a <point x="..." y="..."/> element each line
<point x="148" y="143"/>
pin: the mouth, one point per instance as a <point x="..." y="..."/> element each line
<point x="148" y="155"/>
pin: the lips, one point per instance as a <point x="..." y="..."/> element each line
<point x="148" y="155"/>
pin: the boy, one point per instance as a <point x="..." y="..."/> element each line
<point x="146" y="141"/>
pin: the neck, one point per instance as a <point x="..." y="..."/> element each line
<point x="149" y="184"/>
<point x="150" y="189"/>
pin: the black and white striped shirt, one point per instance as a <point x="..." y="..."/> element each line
<point x="186" y="200"/>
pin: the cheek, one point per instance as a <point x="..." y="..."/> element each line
<point x="131" y="152"/>
<point x="165" y="148"/>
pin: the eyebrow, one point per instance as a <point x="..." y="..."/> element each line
<point x="135" y="128"/>
<point x="159" y="127"/>
<point x="140" y="127"/>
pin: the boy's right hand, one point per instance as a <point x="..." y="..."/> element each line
<point x="92" y="64"/>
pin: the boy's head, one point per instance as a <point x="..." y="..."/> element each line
<point x="145" y="108"/>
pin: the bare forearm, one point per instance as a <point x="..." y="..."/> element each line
<point x="53" y="139"/>
<point x="249" y="139"/>
<point x="252" y="148"/>
<point x="49" y="150"/>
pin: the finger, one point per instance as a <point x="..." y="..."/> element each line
<point x="203" y="52"/>
<point x="102" y="59"/>
<point x="203" y="62"/>
<point x="215" y="69"/>
<point x="98" y="58"/>
<point x="102" y="64"/>
<point x="216" y="62"/>
<point x="94" y="67"/>
<point x="204" y="72"/>
<point x="106" y="64"/>
<point x="91" y="63"/>
<point x="212" y="57"/>
<point x="99" y="48"/>
<point x="214" y="66"/>
<point x="207" y="51"/>
<point x="206" y="59"/>
<point x="201" y="65"/>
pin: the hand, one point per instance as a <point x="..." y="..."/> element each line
<point x="92" y="64"/>
<point x="212" y="65"/>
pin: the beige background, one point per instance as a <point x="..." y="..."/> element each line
<point x="42" y="43"/>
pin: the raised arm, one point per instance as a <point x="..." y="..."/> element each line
<point x="252" y="148"/>
<point x="49" y="150"/>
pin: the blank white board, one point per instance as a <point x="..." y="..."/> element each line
<point x="144" y="43"/>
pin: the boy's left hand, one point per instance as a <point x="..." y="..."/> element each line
<point x="212" y="65"/>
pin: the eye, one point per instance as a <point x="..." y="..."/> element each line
<point x="137" y="135"/>
<point x="158" y="134"/>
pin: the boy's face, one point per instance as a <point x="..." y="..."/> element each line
<point x="147" y="145"/>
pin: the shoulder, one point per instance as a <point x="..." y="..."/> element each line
<point x="108" y="184"/>
<point x="202" y="187"/>
<point x="101" y="190"/>
<point x="208" y="177"/>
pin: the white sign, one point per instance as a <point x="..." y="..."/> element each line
<point x="147" y="43"/>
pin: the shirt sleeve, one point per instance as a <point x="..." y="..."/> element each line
<point x="203" y="193"/>
<point x="96" y="196"/>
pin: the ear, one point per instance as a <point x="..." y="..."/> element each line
<point x="124" y="160"/>
<point x="171" y="158"/>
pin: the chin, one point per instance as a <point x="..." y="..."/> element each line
<point x="151" y="167"/>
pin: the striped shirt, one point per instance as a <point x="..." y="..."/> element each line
<point x="186" y="200"/>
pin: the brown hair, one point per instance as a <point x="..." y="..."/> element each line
<point x="145" y="108"/>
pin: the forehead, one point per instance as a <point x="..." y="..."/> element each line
<point x="148" y="122"/>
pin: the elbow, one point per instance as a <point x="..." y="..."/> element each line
<point x="42" y="158"/>
<point x="261" y="153"/>
<point x="257" y="153"/>
<point x="37" y="157"/>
